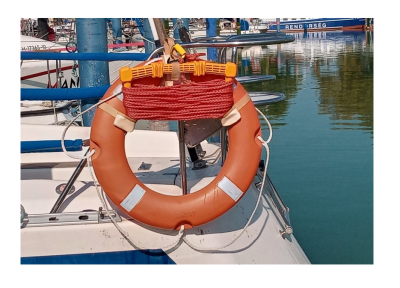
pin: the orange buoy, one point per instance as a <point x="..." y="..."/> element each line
<point x="165" y="211"/>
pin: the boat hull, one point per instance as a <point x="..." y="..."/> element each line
<point x="320" y="24"/>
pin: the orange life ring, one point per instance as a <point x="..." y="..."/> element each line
<point x="165" y="211"/>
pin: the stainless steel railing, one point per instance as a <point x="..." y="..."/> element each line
<point x="224" y="42"/>
<point x="273" y="195"/>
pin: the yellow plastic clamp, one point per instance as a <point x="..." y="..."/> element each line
<point x="230" y="70"/>
<point x="125" y="74"/>
<point x="179" y="49"/>
<point x="158" y="69"/>
<point x="199" y="68"/>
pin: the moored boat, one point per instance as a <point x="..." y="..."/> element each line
<point x="228" y="26"/>
<point x="230" y="213"/>
<point x="53" y="74"/>
<point x="57" y="74"/>
<point x="289" y="25"/>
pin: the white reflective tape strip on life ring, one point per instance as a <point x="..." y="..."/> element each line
<point x="133" y="198"/>
<point x="230" y="188"/>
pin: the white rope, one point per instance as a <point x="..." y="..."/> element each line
<point x="152" y="60"/>
<point x="130" y="63"/>
<point x="116" y="78"/>
<point x="218" y="150"/>
<point x="65" y="123"/>
<point x="216" y="157"/>
<point x="213" y="249"/>
<point x="101" y="195"/>
<point x="74" y="119"/>
<point x="145" y="39"/>
<point x="181" y="234"/>
<point x="123" y="233"/>
<point x="269" y="126"/>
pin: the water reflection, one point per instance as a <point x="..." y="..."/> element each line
<point x="337" y="66"/>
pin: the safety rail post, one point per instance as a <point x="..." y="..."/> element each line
<point x="211" y="31"/>
<point x="49" y="84"/>
<point x="92" y="37"/>
<point x="69" y="185"/>
<point x="117" y="30"/>
<point x="238" y="29"/>
<point x="176" y="31"/>
<point x="278" y="57"/>
<point x="278" y="24"/>
<point x="368" y="23"/>
<point x="148" y="35"/>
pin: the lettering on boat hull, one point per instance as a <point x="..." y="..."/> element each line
<point x="307" y="26"/>
<point x="65" y="84"/>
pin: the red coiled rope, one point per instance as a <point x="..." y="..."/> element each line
<point x="188" y="101"/>
<point x="191" y="57"/>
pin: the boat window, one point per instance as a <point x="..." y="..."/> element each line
<point x="294" y="18"/>
<point x="303" y="18"/>
<point x="284" y="19"/>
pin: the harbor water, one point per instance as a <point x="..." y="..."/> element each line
<point x="321" y="159"/>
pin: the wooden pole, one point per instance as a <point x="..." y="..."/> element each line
<point x="158" y="22"/>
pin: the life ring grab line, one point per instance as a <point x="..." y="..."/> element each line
<point x="181" y="234"/>
<point x="98" y="150"/>
<point x="191" y="209"/>
<point x="216" y="200"/>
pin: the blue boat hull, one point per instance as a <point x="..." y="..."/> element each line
<point x="117" y="257"/>
<point x="320" y="24"/>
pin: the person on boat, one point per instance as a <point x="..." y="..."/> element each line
<point x="43" y="29"/>
<point x="52" y="34"/>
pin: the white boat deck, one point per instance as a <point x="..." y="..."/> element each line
<point x="261" y="243"/>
